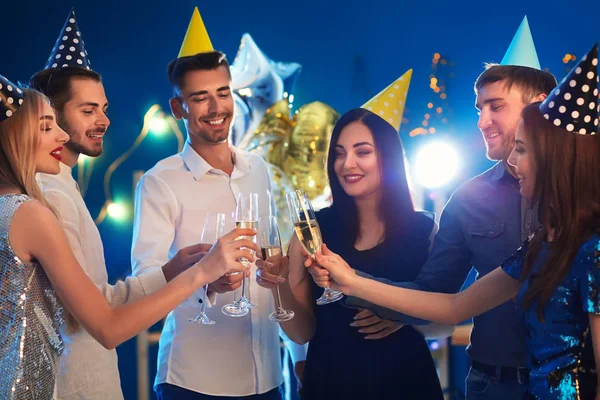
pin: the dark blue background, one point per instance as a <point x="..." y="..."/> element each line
<point x="349" y="51"/>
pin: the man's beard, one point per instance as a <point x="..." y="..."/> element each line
<point x="216" y="138"/>
<point x="77" y="148"/>
<point x="74" y="143"/>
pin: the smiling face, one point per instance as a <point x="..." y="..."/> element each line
<point x="84" y="117"/>
<point x="206" y="105"/>
<point x="499" y="113"/>
<point x="50" y="143"/>
<point x="356" y="163"/>
<point x="522" y="158"/>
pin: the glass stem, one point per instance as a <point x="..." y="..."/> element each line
<point x="243" y="288"/>
<point x="204" y="298"/>
<point x="278" y="305"/>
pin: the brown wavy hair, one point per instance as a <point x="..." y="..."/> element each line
<point x="567" y="189"/>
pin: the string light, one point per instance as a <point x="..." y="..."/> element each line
<point x="158" y="124"/>
<point x="569" y="57"/>
<point x="118" y="210"/>
<point x="438" y="86"/>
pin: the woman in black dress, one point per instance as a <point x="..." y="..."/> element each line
<point x="373" y="223"/>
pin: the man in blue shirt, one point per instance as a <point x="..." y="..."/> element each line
<point x="482" y="225"/>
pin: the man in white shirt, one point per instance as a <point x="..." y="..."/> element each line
<point x="88" y="370"/>
<point x="237" y="357"/>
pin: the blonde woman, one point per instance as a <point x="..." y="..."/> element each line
<point x="39" y="272"/>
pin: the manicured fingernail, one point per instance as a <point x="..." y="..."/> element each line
<point x="353" y="324"/>
<point x="361" y="331"/>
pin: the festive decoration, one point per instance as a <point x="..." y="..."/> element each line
<point x="69" y="49"/>
<point x="295" y="150"/>
<point x="390" y="102"/>
<point x="270" y="138"/>
<point x="438" y="111"/>
<point x="242" y="119"/>
<point x="280" y="185"/>
<point x="259" y="81"/>
<point x="288" y="72"/>
<point x="11" y="98"/>
<point x="306" y="154"/>
<point x="522" y="50"/>
<point x="116" y="209"/>
<point x="573" y="104"/>
<point x="196" y="38"/>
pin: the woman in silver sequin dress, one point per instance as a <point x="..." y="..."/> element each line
<point x="39" y="273"/>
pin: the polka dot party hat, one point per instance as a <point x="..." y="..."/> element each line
<point x="11" y="98"/>
<point x="69" y="50"/>
<point x="196" y="38"/>
<point x="573" y="104"/>
<point x="389" y="103"/>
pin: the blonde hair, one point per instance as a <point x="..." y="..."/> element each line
<point x="19" y="141"/>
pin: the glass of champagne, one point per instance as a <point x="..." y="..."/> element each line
<point x="270" y="247"/>
<point x="246" y="216"/>
<point x="213" y="229"/>
<point x="308" y="233"/>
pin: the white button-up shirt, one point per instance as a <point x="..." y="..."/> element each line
<point x="236" y="356"/>
<point x="88" y="370"/>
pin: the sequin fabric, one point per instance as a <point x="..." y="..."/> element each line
<point x="559" y="350"/>
<point x="30" y="318"/>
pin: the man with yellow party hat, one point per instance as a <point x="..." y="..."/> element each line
<point x="238" y="355"/>
<point x="486" y="220"/>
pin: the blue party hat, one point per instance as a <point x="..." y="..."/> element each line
<point x="521" y="51"/>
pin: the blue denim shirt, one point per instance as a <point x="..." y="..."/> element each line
<point x="480" y="228"/>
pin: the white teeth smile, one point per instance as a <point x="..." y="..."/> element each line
<point x="216" y="121"/>
<point x="353" y="178"/>
<point x="493" y="135"/>
<point x="55" y="153"/>
<point x="94" y="136"/>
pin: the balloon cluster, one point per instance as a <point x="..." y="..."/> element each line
<point x="295" y="148"/>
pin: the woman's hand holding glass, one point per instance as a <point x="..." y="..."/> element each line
<point x="268" y="280"/>
<point x="328" y="269"/>
<point x="274" y="264"/>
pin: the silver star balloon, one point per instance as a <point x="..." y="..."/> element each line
<point x="259" y="83"/>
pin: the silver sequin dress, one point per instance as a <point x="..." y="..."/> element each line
<point x="30" y="319"/>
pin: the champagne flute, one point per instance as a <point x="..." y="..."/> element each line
<point x="246" y="216"/>
<point x="308" y="233"/>
<point x="270" y="247"/>
<point x="213" y="229"/>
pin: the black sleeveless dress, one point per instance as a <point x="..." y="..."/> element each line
<point x="341" y="364"/>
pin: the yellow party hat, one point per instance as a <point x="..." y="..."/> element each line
<point x="196" y="38"/>
<point x="389" y="103"/>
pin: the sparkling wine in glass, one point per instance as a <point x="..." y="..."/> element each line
<point x="213" y="229"/>
<point x="246" y="216"/>
<point x="308" y="233"/>
<point x="270" y="248"/>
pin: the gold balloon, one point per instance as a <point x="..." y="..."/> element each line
<point x="268" y="140"/>
<point x="306" y="155"/>
<point x="280" y="185"/>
